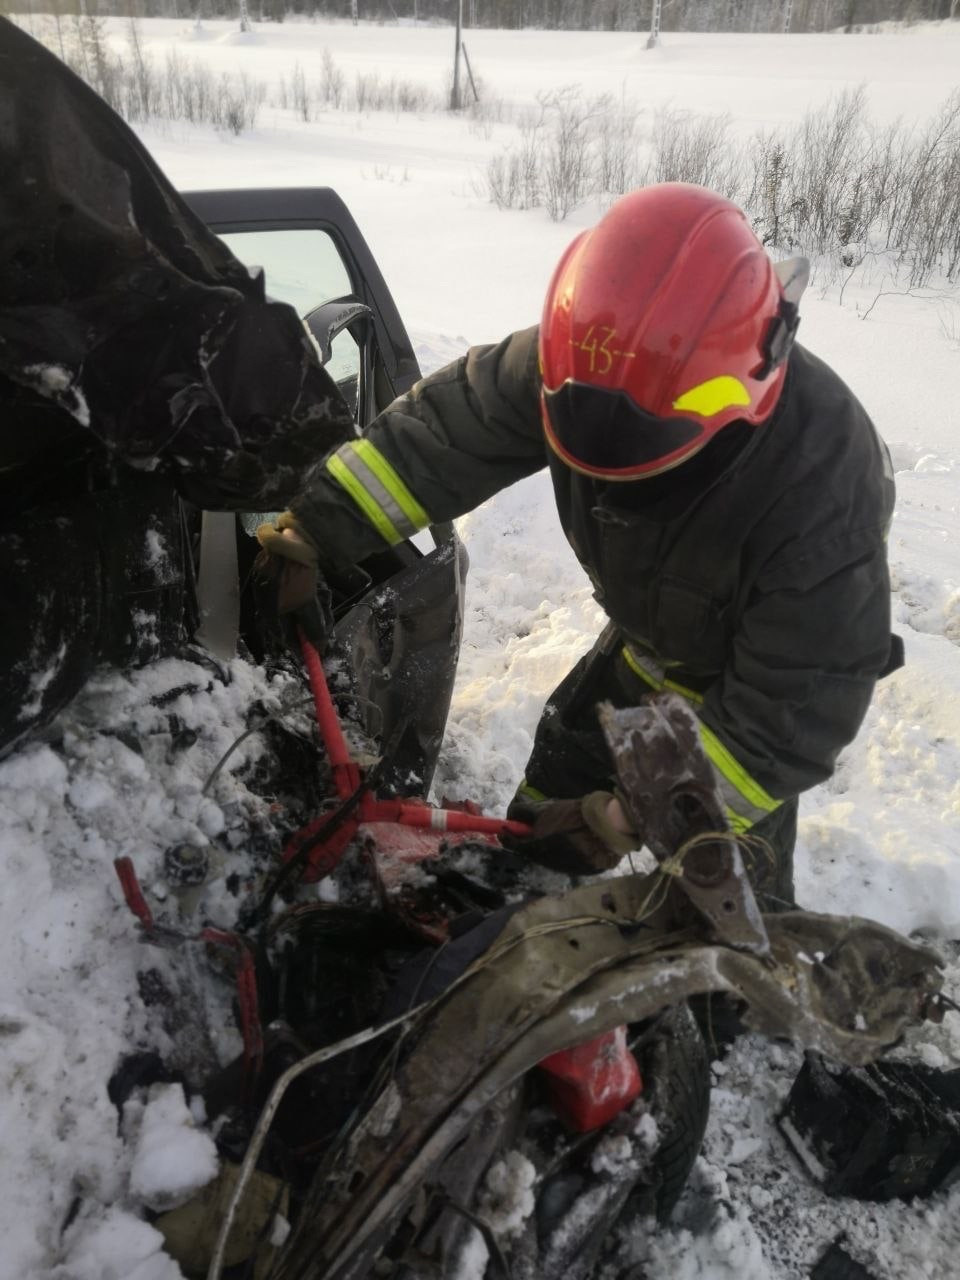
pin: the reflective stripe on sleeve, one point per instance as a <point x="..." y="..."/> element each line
<point x="365" y="474"/>
<point x="745" y="801"/>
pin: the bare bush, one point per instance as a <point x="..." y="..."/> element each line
<point x="239" y="102"/>
<point x="567" y="163"/>
<point x="513" y="179"/>
<point x="835" y="187"/>
<point x="486" y="111"/>
<point x="371" y="93"/>
<point x="300" y="94"/>
<point x="828" y="172"/>
<point x="776" y="210"/>
<point x="332" y="82"/>
<point x="927" y="227"/>
<point x="140" y="91"/>
<point x="361" y="89"/>
<point x="506" y="183"/>
<point x="690" y="148"/>
<point x="842" y="190"/>
<point x="597" y="148"/>
<point x="618" y="149"/>
<point x="411" y="97"/>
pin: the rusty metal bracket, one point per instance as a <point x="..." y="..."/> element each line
<point x="668" y="786"/>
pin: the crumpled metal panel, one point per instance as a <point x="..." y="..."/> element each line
<point x="568" y="968"/>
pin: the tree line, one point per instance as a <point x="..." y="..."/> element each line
<point x="553" y="15"/>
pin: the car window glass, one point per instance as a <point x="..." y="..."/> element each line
<point x="302" y="265"/>
<point x="344" y="363"/>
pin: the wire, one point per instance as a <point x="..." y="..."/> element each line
<point x="230" y="750"/>
<point x="275" y="717"/>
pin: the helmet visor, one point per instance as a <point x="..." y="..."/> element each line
<point x="605" y="433"/>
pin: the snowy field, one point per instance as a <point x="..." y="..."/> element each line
<point x="882" y="839"/>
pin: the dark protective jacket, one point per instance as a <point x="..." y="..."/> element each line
<point x="753" y="579"/>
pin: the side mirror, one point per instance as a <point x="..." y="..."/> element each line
<point x="329" y="319"/>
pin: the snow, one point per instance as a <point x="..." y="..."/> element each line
<point x="71" y="1000"/>
<point x="172" y="1158"/>
<point x="118" y="1246"/>
<point x="881" y="839"/>
<point x="506" y="1199"/>
<point x="56" y="382"/>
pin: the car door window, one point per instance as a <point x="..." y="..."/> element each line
<point x="302" y="265"/>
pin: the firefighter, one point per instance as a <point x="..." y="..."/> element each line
<point x="723" y="489"/>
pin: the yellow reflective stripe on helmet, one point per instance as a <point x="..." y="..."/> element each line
<point x="736" y="785"/>
<point x="385" y="473"/>
<point x="712" y="396"/>
<point x="361" y="469"/>
<point x="364" y="501"/>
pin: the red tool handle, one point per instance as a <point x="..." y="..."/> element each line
<point x="422" y="815"/>
<point x="346" y="773"/>
<point x="346" y="776"/>
<point x="132" y="892"/>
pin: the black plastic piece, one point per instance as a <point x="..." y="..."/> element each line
<point x="890" y="1130"/>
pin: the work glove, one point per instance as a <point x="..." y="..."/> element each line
<point x="573" y="836"/>
<point x="291" y="593"/>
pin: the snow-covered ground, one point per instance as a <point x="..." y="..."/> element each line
<point x="882" y="839"/>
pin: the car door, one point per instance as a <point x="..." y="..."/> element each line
<point x="402" y="643"/>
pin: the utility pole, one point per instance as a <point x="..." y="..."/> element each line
<point x="244" y="16"/>
<point x="787" y="15"/>
<point x="353" y="12"/>
<point x="654" y="39"/>
<point x="455" y="91"/>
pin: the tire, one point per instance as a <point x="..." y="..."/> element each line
<point x="676" y="1072"/>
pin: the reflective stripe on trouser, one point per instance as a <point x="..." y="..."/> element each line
<point x="746" y="802"/>
<point x="570" y="758"/>
<point x="365" y="474"/>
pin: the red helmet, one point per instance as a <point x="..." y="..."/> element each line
<point x="662" y="325"/>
